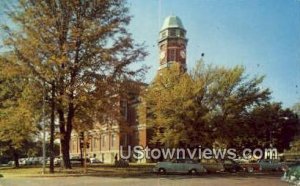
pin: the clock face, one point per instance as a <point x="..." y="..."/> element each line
<point x="162" y="55"/>
<point x="182" y="53"/>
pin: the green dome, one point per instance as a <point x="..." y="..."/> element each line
<point x="172" y="22"/>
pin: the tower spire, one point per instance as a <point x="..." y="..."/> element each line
<point x="172" y="43"/>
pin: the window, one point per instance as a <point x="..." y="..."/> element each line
<point x="172" y="32"/>
<point x="95" y="143"/>
<point x="136" y="136"/>
<point x="103" y="140"/>
<point x="74" y="147"/>
<point x="190" y="161"/>
<point x="180" y="161"/>
<point x="181" y="34"/>
<point x="113" y="140"/>
<point x="124" y="109"/>
<point x="163" y="35"/>
<point x="132" y="115"/>
<point x="172" y="54"/>
<point x="124" y="140"/>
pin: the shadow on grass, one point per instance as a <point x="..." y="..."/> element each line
<point x="150" y="175"/>
<point x="134" y="171"/>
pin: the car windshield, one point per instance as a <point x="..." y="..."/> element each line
<point x="183" y="161"/>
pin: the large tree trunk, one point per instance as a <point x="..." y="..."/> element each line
<point x="16" y="159"/>
<point x="64" y="141"/>
<point x="81" y="154"/>
<point x="65" y="132"/>
<point x="70" y="117"/>
<point x="52" y="127"/>
<point x="65" y="149"/>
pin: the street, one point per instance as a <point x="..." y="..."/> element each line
<point x="169" y="180"/>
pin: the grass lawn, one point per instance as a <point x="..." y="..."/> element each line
<point x="92" y="170"/>
<point x="22" y="171"/>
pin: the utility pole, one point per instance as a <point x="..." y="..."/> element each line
<point x="52" y="128"/>
<point x="84" y="153"/>
<point x="44" y="131"/>
<point x="81" y="147"/>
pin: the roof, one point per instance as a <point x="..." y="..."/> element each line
<point x="172" y="22"/>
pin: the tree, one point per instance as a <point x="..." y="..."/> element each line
<point x="200" y="107"/>
<point x="168" y="102"/>
<point x="19" y="115"/>
<point x="269" y="125"/>
<point x="82" y="47"/>
<point x="229" y="97"/>
<point x="293" y="151"/>
<point x="296" y="109"/>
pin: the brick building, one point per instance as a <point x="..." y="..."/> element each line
<point x="105" y="140"/>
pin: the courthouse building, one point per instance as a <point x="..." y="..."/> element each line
<point x="105" y="140"/>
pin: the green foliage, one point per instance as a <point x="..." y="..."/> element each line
<point x="296" y="109"/>
<point x="79" y="45"/>
<point x="169" y="95"/>
<point x="82" y="48"/>
<point x="268" y="125"/>
<point x="214" y="106"/>
<point x="295" y="145"/>
<point x="19" y="116"/>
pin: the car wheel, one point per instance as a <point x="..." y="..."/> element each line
<point x="250" y="169"/>
<point x="193" y="172"/>
<point x="233" y="170"/>
<point x="162" y="171"/>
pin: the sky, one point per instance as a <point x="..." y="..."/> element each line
<point x="261" y="35"/>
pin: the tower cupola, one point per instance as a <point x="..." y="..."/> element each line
<point x="172" y="43"/>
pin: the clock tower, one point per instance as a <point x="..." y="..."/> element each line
<point x="172" y="43"/>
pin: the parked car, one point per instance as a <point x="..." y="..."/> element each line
<point x="22" y="161"/>
<point x="41" y="160"/>
<point x="250" y="166"/>
<point x="270" y="165"/>
<point x="292" y="175"/>
<point x="78" y="160"/>
<point x="4" y="164"/>
<point x="95" y="160"/>
<point x="27" y="161"/>
<point x="231" y="166"/>
<point x="179" y="166"/>
<point x="11" y="163"/>
<point x="212" y="165"/>
<point x="287" y="164"/>
<point x="32" y="161"/>
<point x="57" y="160"/>
<point x="241" y="160"/>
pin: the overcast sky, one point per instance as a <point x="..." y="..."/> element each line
<point x="262" y="35"/>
